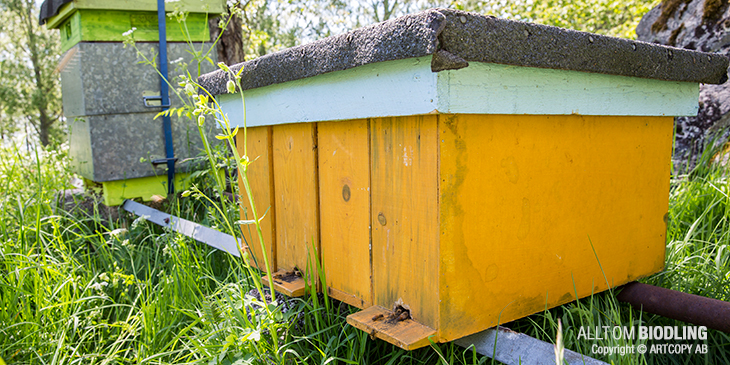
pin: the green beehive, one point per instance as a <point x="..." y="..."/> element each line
<point x="110" y="99"/>
<point x="104" y="20"/>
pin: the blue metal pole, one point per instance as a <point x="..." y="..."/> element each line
<point x="165" y="95"/>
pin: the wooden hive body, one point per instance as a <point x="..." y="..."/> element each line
<point x="470" y="196"/>
<point x="419" y="210"/>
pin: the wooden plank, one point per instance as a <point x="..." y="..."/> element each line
<point x="344" y="178"/>
<point x="109" y="25"/>
<point x="207" y="6"/>
<point x="488" y="88"/>
<point x="297" y="198"/>
<point x="382" y="89"/>
<point x="406" y="334"/>
<point x="116" y="191"/>
<point x="189" y="6"/>
<point x="287" y="283"/>
<point x="261" y="181"/>
<point x="526" y="199"/>
<point x="63" y="13"/>
<point x="408" y="87"/>
<point x="405" y="215"/>
<point x="71" y="32"/>
<point x="345" y="297"/>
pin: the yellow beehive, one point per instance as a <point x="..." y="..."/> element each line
<point x="468" y="169"/>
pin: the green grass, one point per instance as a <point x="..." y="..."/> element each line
<point x="76" y="289"/>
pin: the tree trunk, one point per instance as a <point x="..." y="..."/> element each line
<point x="230" y="47"/>
<point x="41" y="100"/>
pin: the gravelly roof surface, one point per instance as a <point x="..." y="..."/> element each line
<point x="457" y="37"/>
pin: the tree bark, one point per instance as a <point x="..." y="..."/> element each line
<point x="41" y="101"/>
<point x="230" y="47"/>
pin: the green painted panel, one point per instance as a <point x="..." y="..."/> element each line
<point x="143" y="187"/>
<point x="115" y="192"/>
<point x="71" y="32"/>
<point x="64" y="12"/>
<point x="189" y="6"/>
<point x="110" y="25"/>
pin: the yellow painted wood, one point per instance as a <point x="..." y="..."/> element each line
<point x="285" y="283"/>
<point x="297" y="197"/>
<point x="346" y="297"/>
<point x="405" y="209"/>
<point x="522" y="199"/>
<point x="475" y="220"/>
<point x="407" y="334"/>
<point x="261" y="180"/>
<point x="344" y="178"/>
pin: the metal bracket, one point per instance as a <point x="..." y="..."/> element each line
<point x="146" y="100"/>
<point x="160" y="161"/>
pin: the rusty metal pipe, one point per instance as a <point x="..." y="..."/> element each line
<point x="690" y="308"/>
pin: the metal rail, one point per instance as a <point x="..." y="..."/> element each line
<point x="193" y="230"/>
<point x="513" y="348"/>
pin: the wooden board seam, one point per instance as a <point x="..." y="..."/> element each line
<point x="272" y="198"/>
<point x="318" y="244"/>
<point x="370" y="209"/>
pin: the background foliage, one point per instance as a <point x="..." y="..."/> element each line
<point x="30" y="95"/>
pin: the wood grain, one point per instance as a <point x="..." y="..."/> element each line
<point x="297" y="197"/>
<point x="260" y="175"/>
<point x="406" y="334"/>
<point x="526" y="199"/>
<point x="344" y="177"/>
<point x="405" y="215"/>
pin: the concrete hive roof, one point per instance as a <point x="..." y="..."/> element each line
<point x="455" y="38"/>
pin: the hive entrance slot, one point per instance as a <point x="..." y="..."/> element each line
<point x="288" y="282"/>
<point x="288" y="276"/>
<point x="396" y="326"/>
<point x="400" y="313"/>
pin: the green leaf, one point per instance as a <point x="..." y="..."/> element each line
<point x="223" y="67"/>
<point x="245" y="222"/>
<point x="264" y="215"/>
<point x="198" y="173"/>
